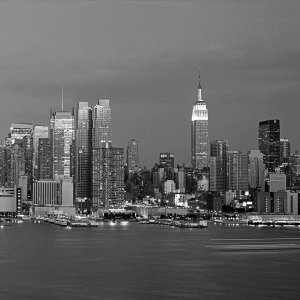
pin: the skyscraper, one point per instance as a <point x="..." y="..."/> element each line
<point x="6" y="166"/>
<point x="83" y="156"/>
<point x="132" y="155"/>
<point x="107" y="161"/>
<point x="218" y="159"/>
<point x="199" y="133"/>
<point x="256" y="170"/>
<point x="44" y="162"/>
<point x="295" y="170"/>
<point x="61" y="140"/>
<point x="166" y="161"/>
<point x="237" y="171"/>
<point x="21" y="137"/>
<point x="285" y="150"/>
<point x="108" y="177"/>
<point x="19" y="131"/>
<point x="101" y="123"/>
<point x="39" y="131"/>
<point x="269" y="143"/>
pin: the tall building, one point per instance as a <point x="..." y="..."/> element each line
<point x="44" y="162"/>
<point x="180" y="178"/>
<point x="256" y="170"/>
<point x="108" y="177"/>
<point x="39" y="131"/>
<point x="166" y="161"/>
<point x="295" y="170"/>
<point x="5" y="164"/>
<point x="199" y="133"/>
<point x="107" y="162"/>
<point x="19" y="131"/>
<point x="277" y="182"/>
<point x="237" y="171"/>
<point x="83" y="157"/>
<point x="285" y="150"/>
<point x="132" y="156"/>
<point x="21" y="134"/>
<point x="269" y="143"/>
<point x="2" y="165"/>
<point x="101" y="123"/>
<point x="213" y="174"/>
<point x="61" y="140"/>
<point x="218" y="159"/>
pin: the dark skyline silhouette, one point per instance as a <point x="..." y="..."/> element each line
<point x="144" y="56"/>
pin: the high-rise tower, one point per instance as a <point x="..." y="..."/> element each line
<point x="132" y="155"/>
<point x="83" y="156"/>
<point x="107" y="162"/>
<point x="166" y="161"/>
<point x="108" y="177"/>
<point x="44" y="166"/>
<point x="61" y="141"/>
<point x="218" y="164"/>
<point x="269" y="143"/>
<point x="39" y="131"/>
<point x="256" y="170"/>
<point x="237" y="171"/>
<point x="285" y="150"/>
<point x="101" y="123"/>
<point x="199" y="133"/>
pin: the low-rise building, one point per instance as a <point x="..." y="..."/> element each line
<point x="10" y="200"/>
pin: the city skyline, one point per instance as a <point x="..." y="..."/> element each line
<point x="150" y="74"/>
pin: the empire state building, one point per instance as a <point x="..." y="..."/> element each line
<point x="199" y="133"/>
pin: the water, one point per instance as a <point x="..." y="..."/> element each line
<point x="43" y="261"/>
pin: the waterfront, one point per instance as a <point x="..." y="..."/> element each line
<point x="42" y="261"/>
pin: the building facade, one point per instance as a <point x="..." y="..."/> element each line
<point x="83" y="157"/>
<point x="256" y="170"/>
<point x="108" y="177"/>
<point x="44" y="161"/>
<point x="199" y="133"/>
<point x="61" y="141"/>
<point x="132" y="156"/>
<point x="285" y="150"/>
<point x="46" y="193"/>
<point x="237" y="171"/>
<point x="39" y="131"/>
<point x="269" y="143"/>
<point x="167" y="161"/>
<point x="218" y="164"/>
<point x="101" y="123"/>
<point x="18" y="131"/>
<point x="10" y="200"/>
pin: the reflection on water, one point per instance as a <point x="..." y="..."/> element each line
<point x="132" y="261"/>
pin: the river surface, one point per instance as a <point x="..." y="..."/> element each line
<point x="134" y="261"/>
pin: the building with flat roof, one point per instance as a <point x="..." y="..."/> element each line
<point x="108" y="177"/>
<point x="277" y="182"/>
<point x="46" y="192"/>
<point x="83" y="157"/>
<point x="10" y="200"/>
<point x="61" y="141"/>
<point x="269" y="143"/>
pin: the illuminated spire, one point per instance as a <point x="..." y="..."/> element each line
<point x="199" y="89"/>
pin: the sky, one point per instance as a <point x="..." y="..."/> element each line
<point x="144" y="56"/>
